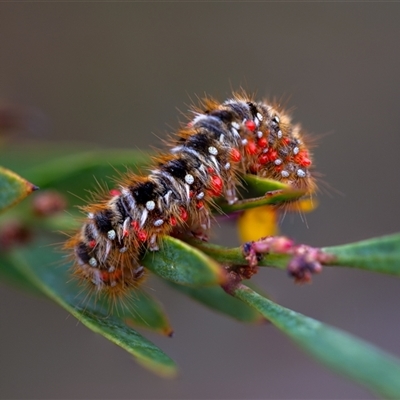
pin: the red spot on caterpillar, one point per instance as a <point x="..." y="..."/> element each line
<point x="115" y="192"/>
<point x="272" y="155"/>
<point x="262" y="142"/>
<point x="172" y="220"/>
<point x="251" y="148"/>
<point x="250" y="125"/>
<point x="216" y="185"/>
<point x="235" y="155"/>
<point x="135" y="225"/>
<point x="199" y="204"/>
<point x="263" y="159"/>
<point x="303" y="159"/>
<point x="92" y="244"/>
<point x="183" y="214"/>
<point x="142" y="235"/>
<point x="107" y="277"/>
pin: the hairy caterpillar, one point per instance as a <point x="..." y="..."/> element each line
<point x="205" y="161"/>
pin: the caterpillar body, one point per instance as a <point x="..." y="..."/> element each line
<point x="205" y="160"/>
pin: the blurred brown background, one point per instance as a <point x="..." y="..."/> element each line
<point x="113" y="73"/>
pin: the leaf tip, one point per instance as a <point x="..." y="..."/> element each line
<point x="168" y="371"/>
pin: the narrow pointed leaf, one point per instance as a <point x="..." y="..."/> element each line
<point x="344" y="353"/>
<point x="257" y="186"/>
<point x="380" y="254"/>
<point x="215" y="298"/>
<point x="182" y="264"/>
<point x="53" y="282"/>
<point x="13" y="188"/>
<point x="280" y="197"/>
<point x="50" y="173"/>
<point x="146" y="312"/>
<point x="140" y="310"/>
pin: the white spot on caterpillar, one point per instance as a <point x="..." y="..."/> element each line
<point x="296" y="150"/>
<point x="301" y="173"/>
<point x="256" y="121"/>
<point x="259" y="116"/>
<point x="93" y="262"/>
<point x="259" y="134"/>
<point x="200" y="196"/>
<point x="150" y="205"/>
<point x="123" y="249"/>
<point x="276" y="119"/>
<point x="222" y="137"/>
<point x="111" y="269"/>
<point x="158" y="222"/>
<point x="90" y="215"/>
<point x="279" y="134"/>
<point x="235" y="125"/>
<point x="189" y="179"/>
<point x="244" y="142"/>
<point x="227" y="166"/>
<point x="213" y="150"/>
<point x="111" y="234"/>
<point x="284" y="174"/>
<point x="278" y="161"/>
<point x="113" y="283"/>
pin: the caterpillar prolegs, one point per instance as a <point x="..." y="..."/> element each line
<point x="205" y="161"/>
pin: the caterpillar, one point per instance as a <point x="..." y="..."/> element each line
<point x="205" y="160"/>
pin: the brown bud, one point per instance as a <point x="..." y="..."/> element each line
<point x="48" y="203"/>
<point x="13" y="233"/>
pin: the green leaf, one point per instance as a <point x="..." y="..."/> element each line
<point x="380" y="254"/>
<point x="257" y="186"/>
<point x="217" y="299"/>
<point x="13" y="188"/>
<point x="182" y="264"/>
<point x="73" y="172"/>
<point x="270" y="199"/>
<point x="50" y="172"/>
<point x="146" y="312"/>
<point x="344" y="353"/>
<point x="54" y="281"/>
